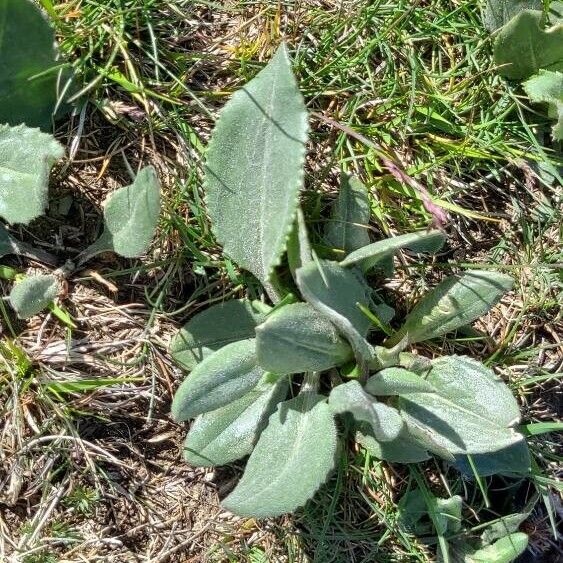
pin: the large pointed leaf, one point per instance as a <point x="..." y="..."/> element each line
<point x="33" y="294"/>
<point x="523" y="47"/>
<point x="26" y="158"/>
<point x="472" y="412"/>
<point x="130" y="217"/>
<point x="347" y="229"/>
<point x="513" y="460"/>
<point x="229" y="433"/>
<point x="376" y="253"/>
<point x="336" y="293"/>
<point x="455" y="302"/>
<point x="292" y="459"/>
<point x="226" y="375"/>
<point x="296" y="339"/>
<point x="547" y="87"/>
<point x="28" y="74"/>
<point x="500" y="12"/>
<point x="397" y="381"/>
<point x="254" y="167"/>
<point x="212" y="329"/>
<point x="385" y="421"/>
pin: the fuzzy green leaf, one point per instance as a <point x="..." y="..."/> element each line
<point x="370" y="256"/>
<point x="292" y="459"/>
<point x="229" y="433"/>
<point x="28" y="61"/>
<point x="130" y="218"/>
<point x="547" y="87"/>
<point x="33" y="294"/>
<point x="500" y="12"/>
<point x="226" y="375"/>
<point x="472" y="412"/>
<point x="523" y="47"/>
<point x="397" y="381"/>
<point x="212" y="329"/>
<point x="347" y="229"/>
<point x="505" y="550"/>
<point x="254" y="168"/>
<point x="26" y="158"/>
<point x="455" y="302"/>
<point x="297" y="339"/>
<point x="385" y="421"/>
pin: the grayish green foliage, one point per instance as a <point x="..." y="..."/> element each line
<point x="547" y="87"/>
<point x="212" y="329"/>
<point x="378" y="252"/>
<point x="229" y="433"/>
<point x="500" y="12"/>
<point x="254" y="168"/>
<point x="397" y="381"/>
<point x="226" y="375"/>
<point x="347" y="229"/>
<point x="523" y="46"/>
<point x="33" y="294"/>
<point x="455" y="302"/>
<point x="297" y="339"/>
<point x="28" y="75"/>
<point x="26" y="158"/>
<point x="292" y="459"/>
<point x="513" y="460"/>
<point x="385" y="421"/>
<point x="471" y="412"/>
<point x="504" y="550"/>
<point x="130" y="217"/>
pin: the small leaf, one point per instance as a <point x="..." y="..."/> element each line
<point x="385" y="421"/>
<point x="212" y="329"/>
<point x="347" y="229"/>
<point x="500" y="12"/>
<point x="547" y="87"/>
<point x="397" y="381"/>
<point x="297" y="339"/>
<point x="130" y="218"/>
<point x="513" y="460"/>
<point x="472" y="412"/>
<point x="383" y="250"/>
<point x="455" y="302"/>
<point x="254" y="168"/>
<point x="523" y="47"/>
<point x="33" y="294"/>
<point x="229" y="433"/>
<point x="226" y="375"/>
<point x="26" y="158"/>
<point x="292" y="459"/>
<point x="505" y="550"/>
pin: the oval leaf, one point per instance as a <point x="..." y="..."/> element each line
<point x="226" y="375"/>
<point x="455" y="302"/>
<point x="297" y="339"/>
<point x="33" y="294"/>
<point x="254" y="168"/>
<point x="397" y="381"/>
<point x="212" y="329"/>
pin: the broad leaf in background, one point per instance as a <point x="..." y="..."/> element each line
<point x="29" y="76"/>
<point x="33" y="294"/>
<point x="397" y="381"/>
<point x="229" y="433"/>
<point x="292" y="459"/>
<point x="296" y="339"/>
<point x="547" y="87"/>
<point x="130" y="218"/>
<point x="212" y="329"/>
<point x="523" y="47"/>
<point x="254" y="168"/>
<point x="513" y="460"/>
<point x="455" y="302"/>
<point x="226" y="375"/>
<point x="26" y="158"/>
<point x="500" y="12"/>
<point x="386" y="423"/>
<point x="504" y="550"/>
<point x="378" y="252"/>
<point x="347" y="229"/>
<point x="473" y="411"/>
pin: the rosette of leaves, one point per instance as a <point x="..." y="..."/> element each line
<point x="273" y="382"/>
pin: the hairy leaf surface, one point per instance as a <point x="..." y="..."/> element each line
<point x="397" y="381"/>
<point x="296" y="339"/>
<point x="226" y="375"/>
<point x="292" y="459"/>
<point x="26" y="158"/>
<point x="33" y="294"/>
<point x="547" y="87"/>
<point x="254" y="167"/>
<point x="212" y="329"/>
